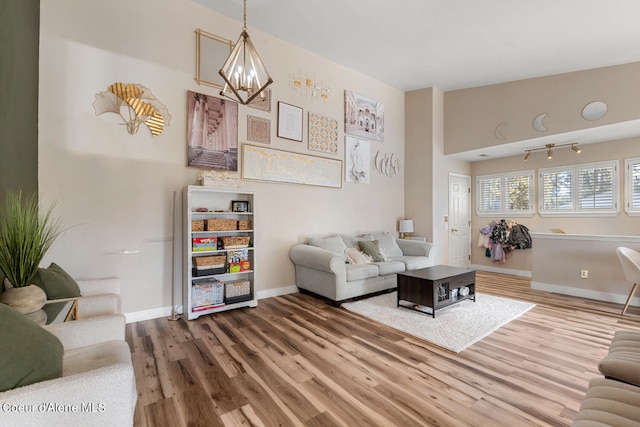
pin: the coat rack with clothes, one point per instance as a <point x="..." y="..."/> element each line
<point x="502" y="237"/>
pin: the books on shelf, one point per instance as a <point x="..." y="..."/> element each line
<point x="206" y="307"/>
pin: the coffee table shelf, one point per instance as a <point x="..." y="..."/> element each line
<point x="434" y="287"/>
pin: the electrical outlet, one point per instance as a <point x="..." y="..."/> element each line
<point x="584" y="274"/>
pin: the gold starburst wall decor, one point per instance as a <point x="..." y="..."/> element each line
<point x="136" y="105"/>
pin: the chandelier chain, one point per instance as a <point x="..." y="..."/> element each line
<point x="245" y="16"/>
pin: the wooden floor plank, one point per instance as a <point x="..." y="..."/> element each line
<point x="296" y="361"/>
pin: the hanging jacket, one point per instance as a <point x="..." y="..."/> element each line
<point x="519" y="237"/>
<point x="499" y="233"/>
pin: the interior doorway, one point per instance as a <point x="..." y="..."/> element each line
<point x="459" y="220"/>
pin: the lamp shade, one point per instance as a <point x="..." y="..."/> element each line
<point x="406" y="226"/>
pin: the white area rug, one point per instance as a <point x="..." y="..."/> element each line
<point x="455" y="327"/>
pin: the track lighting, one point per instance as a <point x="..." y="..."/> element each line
<point x="549" y="147"/>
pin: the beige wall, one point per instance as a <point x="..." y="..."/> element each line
<point x="428" y="169"/>
<point x="418" y="179"/>
<point x="472" y="115"/>
<point x="116" y="189"/>
<point x="559" y="259"/>
<point x="618" y="225"/>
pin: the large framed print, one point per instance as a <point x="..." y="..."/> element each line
<point x="261" y="163"/>
<point x="289" y="121"/>
<point x="212" y="132"/>
<point x="363" y="117"/>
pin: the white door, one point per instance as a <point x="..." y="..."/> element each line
<point x="459" y="220"/>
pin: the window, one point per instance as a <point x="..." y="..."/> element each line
<point x="505" y="194"/>
<point x="632" y="186"/>
<point x="580" y="190"/>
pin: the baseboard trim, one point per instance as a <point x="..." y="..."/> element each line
<point x="277" y="292"/>
<point x="500" y="270"/>
<point x="156" y="313"/>
<point x="584" y="293"/>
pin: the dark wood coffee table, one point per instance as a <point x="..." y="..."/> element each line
<point x="432" y="287"/>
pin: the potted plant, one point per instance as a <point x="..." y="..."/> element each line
<point x="26" y="234"/>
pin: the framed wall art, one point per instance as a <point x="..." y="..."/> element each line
<point x="289" y="121"/>
<point x="357" y="161"/>
<point x="323" y="133"/>
<point x="262" y="103"/>
<point x="211" y="52"/>
<point x="363" y="117"/>
<point x="212" y="132"/>
<point x="258" y="129"/>
<point x="268" y="164"/>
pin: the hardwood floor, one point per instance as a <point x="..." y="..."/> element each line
<point x="297" y="361"/>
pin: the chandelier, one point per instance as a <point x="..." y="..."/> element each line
<point x="306" y="85"/>
<point x="244" y="73"/>
<point x="548" y="147"/>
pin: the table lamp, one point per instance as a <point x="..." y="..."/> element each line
<point x="405" y="227"/>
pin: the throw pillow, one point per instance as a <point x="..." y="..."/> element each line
<point x="331" y="243"/>
<point x="56" y="282"/>
<point x="388" y="244"/>
<point x="354" y="256"/>
<point x="29" y="353"/>
<point x="372" y="248"/>
<point x="351" y="241"/>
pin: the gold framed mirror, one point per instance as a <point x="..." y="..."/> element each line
<point x="211" y="52"/>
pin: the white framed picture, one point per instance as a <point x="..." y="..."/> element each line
<point x="363" y="117"/>
<point x="357" y="160"/>
<point x="289" y="121"/>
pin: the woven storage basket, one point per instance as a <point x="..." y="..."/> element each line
<point x="244" y="225"/>
<point x="207" y="262"/>
<point x="197" y="225"/>
<point x="237" y="289"/>
<point x="217" y="224"/>
<point x="235" y="242"/>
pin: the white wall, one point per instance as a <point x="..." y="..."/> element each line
<point x="115" y="189"/>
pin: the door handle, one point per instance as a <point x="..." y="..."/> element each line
<point x="453" y="230"/>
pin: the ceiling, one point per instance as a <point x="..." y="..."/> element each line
<point x="452" y="44"/>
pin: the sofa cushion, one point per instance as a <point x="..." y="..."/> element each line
<point x="56" y="282"/>
<point x="352" y="240"/>
<point x="413" y="262"/>
<point x="609" y="403"/>
<point x="361" y="271"/>
<point x="623" y="361"/>
<point x="372" y="248"/>
<point x="388" y="244"/>
<point x="390" y="267"/>
<point x="355" y="256"/>
<point x="29" y="353"/>
<point x="85" y="359"/>
<point x="331" y="243"/>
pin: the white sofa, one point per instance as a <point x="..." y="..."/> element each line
<point x="322" y="268"/>
<point x="97" y="386"/>
<point x="99" y="297"/>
